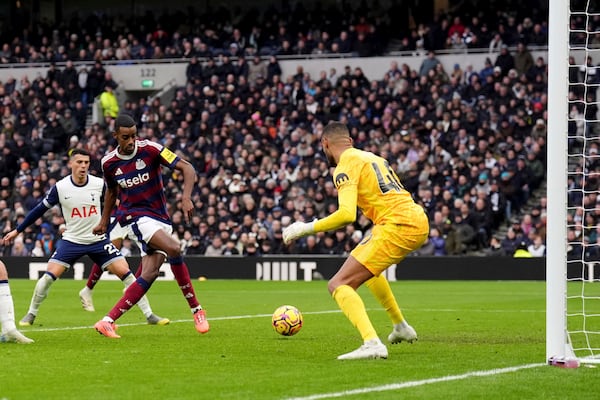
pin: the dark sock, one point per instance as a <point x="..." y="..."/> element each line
<point x="132" y="295"/>
<point x="138" y="271"/>
<point x="94" y="276"/>
<point x="182" y="275"/>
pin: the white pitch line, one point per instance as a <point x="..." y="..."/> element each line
<point x="397" y="386"/>
<point x="382" y="388"/>
<point x="73" y="328"/>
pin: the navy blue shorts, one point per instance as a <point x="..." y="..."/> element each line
<point x="102" y="253"/>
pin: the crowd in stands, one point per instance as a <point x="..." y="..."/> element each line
<point x="470" y="143"/>
<point x="323" y="28"/>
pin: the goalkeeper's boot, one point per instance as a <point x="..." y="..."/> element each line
<point x="85" y="296"/>
<point x="154" y="319"/>
<point x="15" y="336"/>
<point x="200" y="321"/>
<point x="107" y="329"/>
<point x="27" y="320"/>
<point x="402" y="332"/>
<point x="369" y="350"/>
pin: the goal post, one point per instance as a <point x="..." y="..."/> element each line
<point x="556" y="236"/>
<point x="573" y="182"/>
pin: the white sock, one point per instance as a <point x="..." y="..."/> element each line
<point x="7" y="310"/>
<point x="87" y="290"/>
<point x="40" y="293"/>
<point x="402" y="324"/>
<point x="143" y="303"/>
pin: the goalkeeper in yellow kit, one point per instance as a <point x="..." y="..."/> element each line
<point x="366" y="181"/>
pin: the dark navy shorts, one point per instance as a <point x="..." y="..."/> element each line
<point x="102" y="253"/>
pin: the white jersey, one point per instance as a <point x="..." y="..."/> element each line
<point x="81" y="207"/>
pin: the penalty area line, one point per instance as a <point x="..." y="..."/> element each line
<point x="397" y="386"/>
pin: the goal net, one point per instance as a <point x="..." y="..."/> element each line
<point x="573" y="213"/>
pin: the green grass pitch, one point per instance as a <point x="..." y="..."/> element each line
<point x="477" y="340"/>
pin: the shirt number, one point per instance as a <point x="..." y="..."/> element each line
<point x="111" y="249"/>
<point x="389" y="181"/>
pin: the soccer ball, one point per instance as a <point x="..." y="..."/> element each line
<point x="287" y="320"/>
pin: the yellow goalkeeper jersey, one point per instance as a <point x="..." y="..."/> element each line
<point x="367" y="181"/>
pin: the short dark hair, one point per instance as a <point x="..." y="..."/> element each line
<point x="124" y="120"/>
<point x="75" y="151"/>
<point x="335" y="129"/>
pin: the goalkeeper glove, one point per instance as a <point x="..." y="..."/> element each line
<point x="297" y="230"/>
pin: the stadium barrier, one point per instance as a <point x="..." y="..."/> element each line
<point x="149" y="77"/>
<point x="307" y="268"/>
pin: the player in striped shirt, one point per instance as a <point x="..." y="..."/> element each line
<point x="133" y="174"/>
<point x="117" y="234"/>
<point x="79" y="196"/>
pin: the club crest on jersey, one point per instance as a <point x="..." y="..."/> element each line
<point x="340" y="179"/>
<point x="140" y="164"/>
<point x="133" y="181"/>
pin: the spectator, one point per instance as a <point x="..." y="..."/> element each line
<point x="459" y="237"/>
<point x="487" y="70"/>
<point x="193" y="71"/>
<point x="362" y="46"/>
<point x="18" y="249"/>
<point x="438" y="242"/>
<point x="574" y="246"/>
<point x="215" y="248"/>
<point x="258" y="68"/>
<point x="538" y="37"/>
<point x="95" y="80"/>
<point x="504" y="60"/>
<point x="273" y="68"/>
<point x="495" y="248"/>
<point x="496" y="43"/>
<point x="47" y="239"/>
<point x="251" y="250"/>
<point x="523" y="60"/>
<point x="482" y="222"/>
<point x="457" y="27"/>
<point x="310" y="245"/>
<point x="55" y="133"/>
<point x="429" y="63"/>
<point x="38" y="250"/>
<point x="230" y="248"/>
<point x="521" y="251"/>
<point x="537" y="248"/>
<point x="109" y="104"/>
<point x="196" y="247"/>
<point x="510" y="242"/>
<point x="69" y="124"/>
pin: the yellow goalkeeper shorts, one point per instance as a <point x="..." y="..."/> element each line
<point x="390" y="243"/>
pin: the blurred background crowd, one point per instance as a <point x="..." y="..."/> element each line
<point x="469" y="143"/>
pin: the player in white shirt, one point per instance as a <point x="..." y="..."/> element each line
<point x="10" y="333"/>
<point x="80" y="197"/>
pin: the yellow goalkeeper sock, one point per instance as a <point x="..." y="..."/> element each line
<point x="353" y="307"/>
<point x="380" y="287"/>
